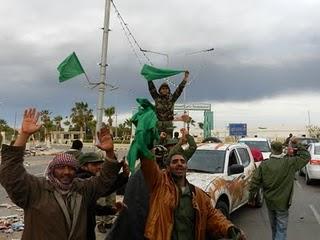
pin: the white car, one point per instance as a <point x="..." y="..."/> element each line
<point x="312" y="169"/>
<point x="224" y="171"/>
<point x="261" y="143"/>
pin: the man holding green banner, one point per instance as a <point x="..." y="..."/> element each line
<point x="164" y="99"/>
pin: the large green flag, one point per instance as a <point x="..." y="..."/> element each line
<point x="145" y="121"/>
<point x="152" y="73"/>
<point x="70" y="68"/>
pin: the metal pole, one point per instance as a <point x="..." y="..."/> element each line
<point x="103" y="66"/>
<point x="116" y="126"/>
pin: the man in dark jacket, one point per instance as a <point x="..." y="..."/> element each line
<point x="90" y="166"/>
<point x="164" y="103"/>
<point x="54" y="207"/>
<point x="276" y="177"/>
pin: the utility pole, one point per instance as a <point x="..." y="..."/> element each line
<point x="116" y="126"/>
<point x="103" y="66"/>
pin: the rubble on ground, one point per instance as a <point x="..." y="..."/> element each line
<point x="11" y="223"/>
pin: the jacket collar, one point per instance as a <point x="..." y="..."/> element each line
<point x="277" y="155"/>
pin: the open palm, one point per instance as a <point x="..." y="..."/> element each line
<point x="105" y="140"/>
<point x="30" y="121"/>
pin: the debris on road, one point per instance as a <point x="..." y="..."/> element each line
<point x="11" y="223"/>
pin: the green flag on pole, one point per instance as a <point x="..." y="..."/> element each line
<point x="151" y="73"/>
<point x="70" y="68"/>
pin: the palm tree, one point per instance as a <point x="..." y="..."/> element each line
<point x="127" y="127"/>
<point x="81" y="115"/>
<point x="46" y="122"/>
<point x="57" y="120"/>
<point x="109" y="112"/>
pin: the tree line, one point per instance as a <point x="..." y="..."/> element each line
<point x="80" y="119"/>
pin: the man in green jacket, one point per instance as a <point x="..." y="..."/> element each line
<point x="276" y="177"/>
<point x="54" y="207"/>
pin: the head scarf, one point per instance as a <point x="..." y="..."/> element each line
<point x="62" y="159"/>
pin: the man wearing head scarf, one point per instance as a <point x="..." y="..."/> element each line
<point x="54" y="207"/>
<point x="276" y="177"/>
<point x="164" y="103"/>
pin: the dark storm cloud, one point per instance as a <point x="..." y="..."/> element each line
<point x="262" y="49"/>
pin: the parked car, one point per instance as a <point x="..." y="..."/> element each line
<point x="306" y="141"/>
<point x="263" y="144"/>
<point x="211" y="140"/>
<point x="312" y="169"/>
<point x="224" y="171"/>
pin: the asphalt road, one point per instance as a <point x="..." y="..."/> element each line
<point x="304" y="216"/>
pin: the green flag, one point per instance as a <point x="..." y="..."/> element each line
<point x="152" y="73"/>
<point x="145" y="121"/>
<point x="70" y="68"/>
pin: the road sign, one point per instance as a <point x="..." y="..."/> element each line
<point x="193" y="107"/>
<point x="237" y="129"/>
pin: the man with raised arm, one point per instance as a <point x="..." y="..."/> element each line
<point x="55" y="206"/>
<point x="164" y="103"/>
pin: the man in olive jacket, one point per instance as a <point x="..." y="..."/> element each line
<point x="276" y="177"/>
<point x="54" y="207"/>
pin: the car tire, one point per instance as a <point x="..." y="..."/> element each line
<point x="259" y="199"/>
<point x="307" y="178"/>
<point x="224" y="208"/>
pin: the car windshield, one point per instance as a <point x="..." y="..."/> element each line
<point x="317" y="150"/>
<point x="262" y="145"/>
<point x="209" y="161"/>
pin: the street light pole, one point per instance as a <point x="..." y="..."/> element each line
<point x="159" y="53"/>
<point x="103" y="66"/>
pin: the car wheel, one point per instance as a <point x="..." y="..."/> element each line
<point x="224" y="208"/>
<point x="308" y="180"/>
<point x="259" y="199"/>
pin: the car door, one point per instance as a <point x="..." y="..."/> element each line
<point x="248" y="164"/>
<point x="233" y="180"/>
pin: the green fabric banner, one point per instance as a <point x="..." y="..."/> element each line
<point x="151" y="73"/>
<point x="146" y="133"/>
<point x="70" y="68"/>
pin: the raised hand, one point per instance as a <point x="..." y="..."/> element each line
<point x="105" y="140"/>
<point x="29" y="126"/>
<point x="30" y="121"/>
<point x="184" y="132"/>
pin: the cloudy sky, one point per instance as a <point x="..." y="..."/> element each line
<point x="264" y="70"/>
